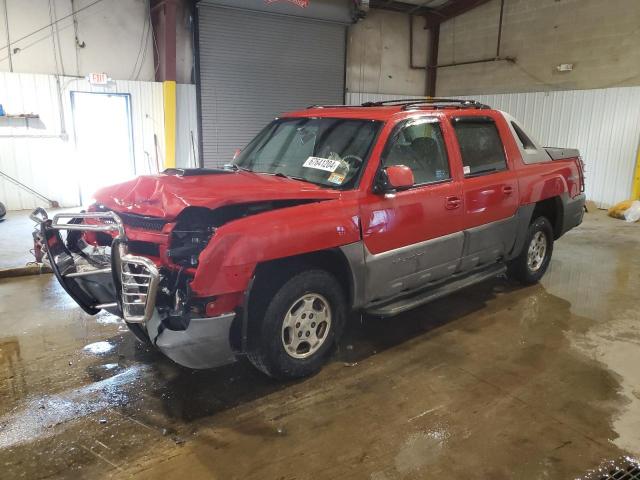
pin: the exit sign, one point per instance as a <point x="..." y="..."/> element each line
<point x="98" y="78"/>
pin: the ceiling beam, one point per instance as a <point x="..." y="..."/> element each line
<point x="400" y="7"/>
<point x="432" y="15"/>
<point x="451" y="10"/>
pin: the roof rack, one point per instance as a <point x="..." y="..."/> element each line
<point x="415" y="103"/>
<point x="446" y="102"/>
<point x="398" y="101"/>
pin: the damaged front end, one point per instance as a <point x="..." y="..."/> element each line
<point x="153" y="301"/>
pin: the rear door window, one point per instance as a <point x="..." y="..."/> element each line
<point x="480" y="145"/>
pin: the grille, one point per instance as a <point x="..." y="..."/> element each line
<point x="144" y="223"/>
<point x="139" y="285"/>
<point x="138" y="221"/>
<point x="144" y="248"/>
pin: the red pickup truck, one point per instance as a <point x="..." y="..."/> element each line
<point x="377" y="208"/>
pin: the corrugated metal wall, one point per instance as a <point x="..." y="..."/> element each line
<point x="186" y="126"/>
<point x="604" y="124"/>
<point x="42" y="155"/>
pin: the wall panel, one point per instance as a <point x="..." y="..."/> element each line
<point x="186" y="126"/>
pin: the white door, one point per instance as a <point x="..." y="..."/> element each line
<point x="104" y="140"/>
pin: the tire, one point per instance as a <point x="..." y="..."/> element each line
<point x="533" y="261"/>
<point x="3" y="210"/>
<point x="284" y="340"/>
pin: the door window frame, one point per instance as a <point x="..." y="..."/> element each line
<point x="479" y="119"/>
<point x="392" y="136"/>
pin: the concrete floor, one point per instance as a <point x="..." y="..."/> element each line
<point x="16" y="238"/>
<point x="498" y="381"/>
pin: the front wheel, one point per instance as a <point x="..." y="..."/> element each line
<point x="299" y="326"/>
<point x="533" y="261"/>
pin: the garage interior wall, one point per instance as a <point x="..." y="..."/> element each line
<point x="111" y="36"/>
<point x="604" y="124"/>
<point x="378" y="54"/>
<point x="42" y="155"/>
<point x="256" y="65"/>
<point x="601" y="39"/>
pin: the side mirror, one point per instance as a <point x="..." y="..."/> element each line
<point x="399" y="177"/>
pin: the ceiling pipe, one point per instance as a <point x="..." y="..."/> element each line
<point x="482" y="60"/>
<point x="500" y="28"/>
<point x="431" y="62"/>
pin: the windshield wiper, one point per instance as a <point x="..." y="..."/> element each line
<point x="235" y="167"/>
<point x="280" y="174"/>
<point x="299" y="179"/>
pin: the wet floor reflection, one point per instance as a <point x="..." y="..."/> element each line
<point x="14" y="383"/>
<point x="40" y="415"/>
<point x="98" y="348"/>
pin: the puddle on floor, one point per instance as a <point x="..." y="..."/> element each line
<point x="421" y="449"/>
<point x="98" y="348"/>
<point x="45" y="416"/>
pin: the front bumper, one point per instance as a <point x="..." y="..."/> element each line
<point x="127" y="285"/>
<point x="111" y="278"/>
<point x="203" y="344"/>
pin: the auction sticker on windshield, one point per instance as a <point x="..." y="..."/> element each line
<point x="318" y="163"/>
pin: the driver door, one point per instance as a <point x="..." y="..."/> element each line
<point x="414" y="237"/>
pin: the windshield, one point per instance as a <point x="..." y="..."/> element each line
<point x="324" y="151"/>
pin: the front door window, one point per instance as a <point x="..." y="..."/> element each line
<point x="420" y="146"/>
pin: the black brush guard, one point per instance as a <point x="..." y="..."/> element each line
<point x="126" y="288"/>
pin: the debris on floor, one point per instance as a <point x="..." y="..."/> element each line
<point x="628" y="210"/>
<point x="623" y="468"/>
<point x="632" y="214"/>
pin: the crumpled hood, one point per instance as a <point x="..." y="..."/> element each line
<point x="167" y="195"/>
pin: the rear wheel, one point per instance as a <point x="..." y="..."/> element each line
<point x="299" y="325"/>
<point x="533" y="261"/>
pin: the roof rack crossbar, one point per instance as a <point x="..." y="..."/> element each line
<point x="411" y="103"/>
<point x="329" y="106"/>
<point x="459" y="102"/>
<point x="398" y="101"/>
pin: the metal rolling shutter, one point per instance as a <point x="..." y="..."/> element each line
<point x="254" y="66"/>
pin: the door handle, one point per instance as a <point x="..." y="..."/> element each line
<point x="453" y="202"/>
<point x="507" y="189"/>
